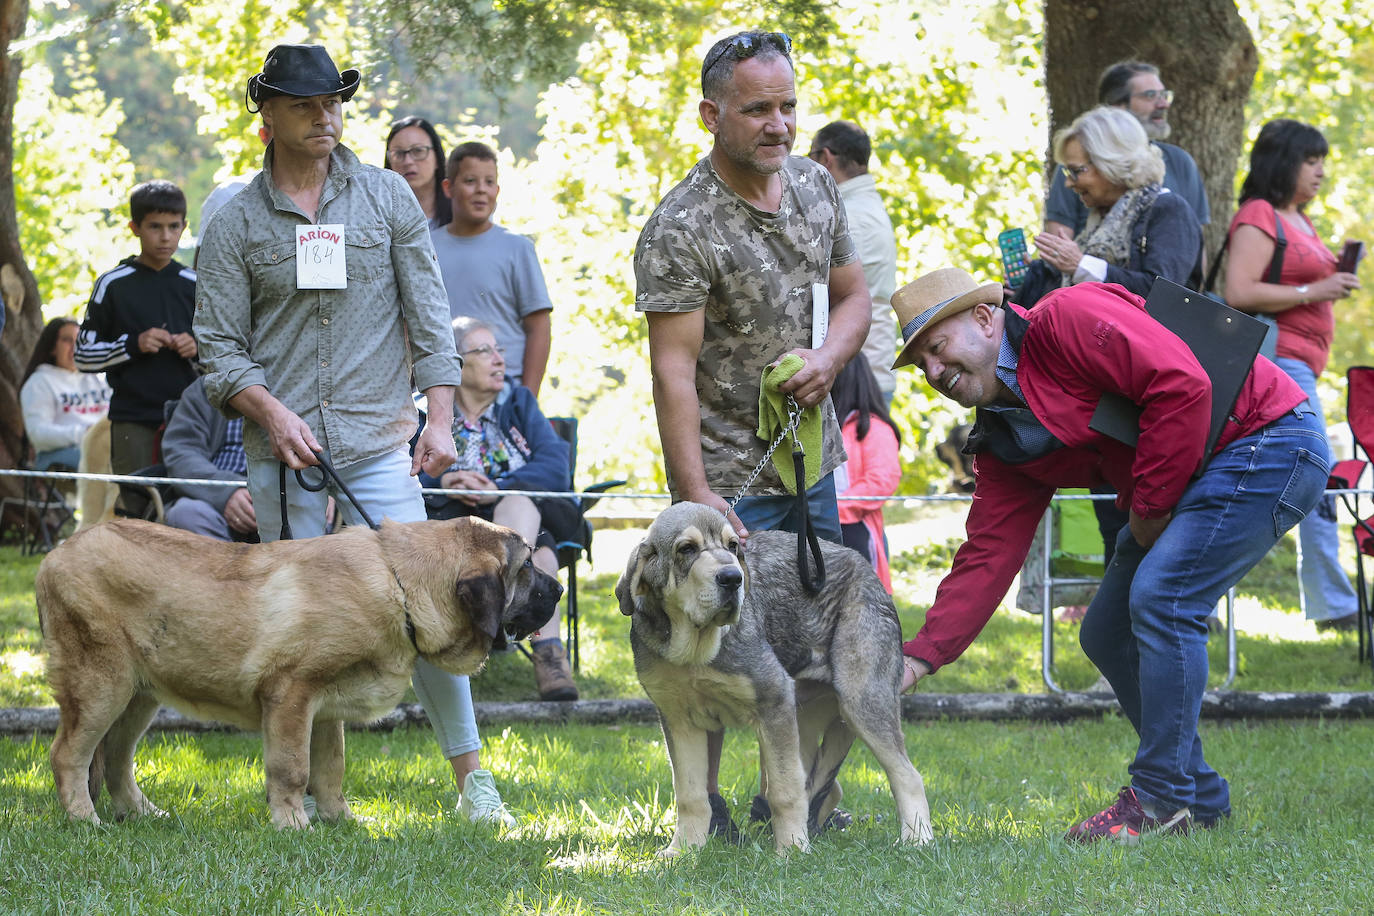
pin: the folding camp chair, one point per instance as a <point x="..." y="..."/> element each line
<point x="1345" y="475"/>
<point x="1072" y="557"/>
<point x="571" y="551"/>
<point x="43" y="509"/>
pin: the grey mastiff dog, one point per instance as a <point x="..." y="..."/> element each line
<point x="724" y="634"/>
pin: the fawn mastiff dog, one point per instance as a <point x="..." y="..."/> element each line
<point x="725" y="634"/>
<point x="292" y="637"/>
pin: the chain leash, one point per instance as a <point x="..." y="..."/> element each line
<point x="794" y="414"/>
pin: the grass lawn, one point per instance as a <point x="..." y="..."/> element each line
<point x="595" y="803"/>
<point x="594" y="806"/>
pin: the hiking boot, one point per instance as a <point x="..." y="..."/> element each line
<point x="552" y="674"/>
<point x="1126" y="821"/>
<point x="481" y="803"/>
<point x="721" y="825"/>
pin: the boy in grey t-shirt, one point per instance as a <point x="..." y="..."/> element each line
<point x="491" y="273"/>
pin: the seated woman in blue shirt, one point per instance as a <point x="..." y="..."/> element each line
<point x="505" y="444"/>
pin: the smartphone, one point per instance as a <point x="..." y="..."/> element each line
<point x="1015" y="263"/>
<point x="1351" y="255"/>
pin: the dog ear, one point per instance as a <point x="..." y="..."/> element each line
<point x="743" y="564"/>
<point x="484" y="599"/>
<point x="627" y="590"/>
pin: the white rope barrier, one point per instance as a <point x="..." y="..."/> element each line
<point x="429" y="491"/>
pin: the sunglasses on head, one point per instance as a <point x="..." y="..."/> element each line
<point x="746" y="45"/>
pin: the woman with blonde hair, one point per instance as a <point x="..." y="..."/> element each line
<point x="1137" y="230"/>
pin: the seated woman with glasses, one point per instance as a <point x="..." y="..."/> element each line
<point x="414" y="151"/>
<point x="1137" y="229"/>
<point x="505" y="444"/>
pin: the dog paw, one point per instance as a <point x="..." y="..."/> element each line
<point x="290" y="819"/>
<point x="919" y="835"/>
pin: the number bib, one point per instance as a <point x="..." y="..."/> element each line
<point x="320" y="257"/>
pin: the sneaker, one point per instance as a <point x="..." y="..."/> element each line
<point x="481" y="803"/>
<point x="552" y="674"/>
<point x="1126" y="821"/>
<point x="721" y="825"/>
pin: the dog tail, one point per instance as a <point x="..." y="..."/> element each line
<point x="96" y="777"/>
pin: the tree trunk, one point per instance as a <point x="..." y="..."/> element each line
<point x="1204" y="52"/>
<point x="23" y="319"/>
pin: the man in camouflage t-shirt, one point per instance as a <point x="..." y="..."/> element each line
<point x="725" y="270"/>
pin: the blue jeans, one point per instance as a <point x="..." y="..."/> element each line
<point x="779" y="513"/>
<point x="1326" y="590"/>
<point x="384" y="488"/>
<point x="1146" y="630"/>
<point x="69" y="456"/>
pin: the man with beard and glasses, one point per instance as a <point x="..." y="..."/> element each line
<point x="732" y="270"/>
<point x="1136" y="87"/>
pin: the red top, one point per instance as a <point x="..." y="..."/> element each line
<point x="1305" y="331"/>
<point x="1084" y="341"/>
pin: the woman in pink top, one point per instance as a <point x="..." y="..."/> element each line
<point x="873" y="467"/>
<point x="1286" y="171"/>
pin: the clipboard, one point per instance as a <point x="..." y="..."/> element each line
<point x="1225" y="342"/>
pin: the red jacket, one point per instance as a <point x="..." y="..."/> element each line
<point x="1081" y="342"/>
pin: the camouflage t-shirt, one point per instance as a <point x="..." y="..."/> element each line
<point x="706" y="247"/>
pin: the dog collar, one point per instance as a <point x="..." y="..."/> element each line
<point x="405" y="606"/>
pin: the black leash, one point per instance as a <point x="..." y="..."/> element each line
<point x="806" y="532"/>
<point x="327" y="473"/>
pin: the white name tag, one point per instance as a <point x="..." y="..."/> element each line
<point x="820" y="314"/>
<point x="320" y="257"/>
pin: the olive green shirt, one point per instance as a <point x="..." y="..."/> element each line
<point x="705" y="247"/>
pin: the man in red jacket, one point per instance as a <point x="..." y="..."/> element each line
<point x="1198" y="523"/>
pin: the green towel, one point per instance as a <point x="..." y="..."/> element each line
<point x="773" y="419"/>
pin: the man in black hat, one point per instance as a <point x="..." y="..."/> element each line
<point x="318" y="297"/>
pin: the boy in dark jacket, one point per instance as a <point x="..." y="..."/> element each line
<point x="137" y="328"/>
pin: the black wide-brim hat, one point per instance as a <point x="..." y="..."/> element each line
<point x="301" y="71"/>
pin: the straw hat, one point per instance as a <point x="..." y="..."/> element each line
<point x="924" y="302"/>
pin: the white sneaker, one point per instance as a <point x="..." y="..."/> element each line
<point x="481" y="803"/>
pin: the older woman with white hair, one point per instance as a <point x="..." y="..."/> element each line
<point x="1137" y="230"/>
<point x="504" y="445"/>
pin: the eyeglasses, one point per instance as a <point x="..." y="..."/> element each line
<point x="1155" y="95"/>
<point x="485" y="351"/>
<point x="747" y="45"/>
<point x="414" y="153"/>
<point x="1071" y="172"/>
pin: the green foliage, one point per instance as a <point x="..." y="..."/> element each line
<point x="72" y="183"/>
<point x="952" y="95"/>
<point x="1316" y="65"/>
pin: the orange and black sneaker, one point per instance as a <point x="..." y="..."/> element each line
<point x="1126" y="821"/>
